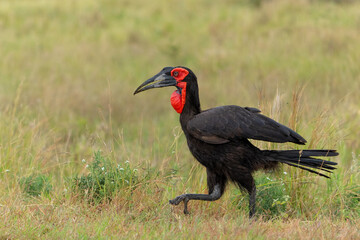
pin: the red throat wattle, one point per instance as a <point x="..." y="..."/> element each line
<point x="178" y="97"/>
<point x="178" y="100"/>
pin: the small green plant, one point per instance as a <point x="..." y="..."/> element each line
<point x="272" y="197"/>
<point x="35" y="185"/>
<point x="105" y="179"/>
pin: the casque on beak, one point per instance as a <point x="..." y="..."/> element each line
<point x="162" y="79"/>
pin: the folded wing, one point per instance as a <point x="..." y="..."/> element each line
<point x="231" y="123"/>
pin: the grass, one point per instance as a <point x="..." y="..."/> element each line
<point x="67" y="73"/>
<point x="104" y="180"/>
<point x="35" y="185"/>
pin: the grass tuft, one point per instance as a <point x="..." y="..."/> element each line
<point x="104" y="180"/>
<point x="273" y="197"/>
<point x="35" y="185"/>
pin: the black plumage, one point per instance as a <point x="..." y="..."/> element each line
<point x="231" y="123"/>
<point x="218" y="139"/>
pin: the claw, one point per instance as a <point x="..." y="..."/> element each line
<point x="178" y="200"/>
<point x="172" y="202"/>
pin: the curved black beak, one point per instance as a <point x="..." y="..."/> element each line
<point x="162" y="79"/>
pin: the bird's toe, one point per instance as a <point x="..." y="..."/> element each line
<point x="176" y="200"/>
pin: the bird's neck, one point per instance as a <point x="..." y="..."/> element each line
<point x="192" y="103"/>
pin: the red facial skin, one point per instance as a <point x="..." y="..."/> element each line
<point x="178" y="100"/>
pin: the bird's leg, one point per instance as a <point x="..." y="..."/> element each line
<point x="252" y="197"/>
<point x="245" y="180"/>
<point x="214" y="195"/>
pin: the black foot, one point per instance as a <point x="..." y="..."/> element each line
<point x="178" y="200"/>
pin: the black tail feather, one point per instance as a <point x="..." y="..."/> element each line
<point x="303" y="159"/>
<point x="307" y="169"/>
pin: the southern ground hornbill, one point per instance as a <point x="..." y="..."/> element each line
<point x="218" y="139"/>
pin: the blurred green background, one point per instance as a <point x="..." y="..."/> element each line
<point x="68" y="70"/>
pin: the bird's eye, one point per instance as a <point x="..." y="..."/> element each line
<point x="176" y="74"/>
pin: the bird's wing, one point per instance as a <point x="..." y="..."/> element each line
<point x="230" y="123"/>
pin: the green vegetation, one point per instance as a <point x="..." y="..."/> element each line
<point x="67" y="73"/>
<point x="35" y="185"/>
<point x="104" y="180"/>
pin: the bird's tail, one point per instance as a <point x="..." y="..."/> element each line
<point x="304" y="159"/>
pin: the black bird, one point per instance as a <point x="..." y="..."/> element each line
<point x="218" y="139"/>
